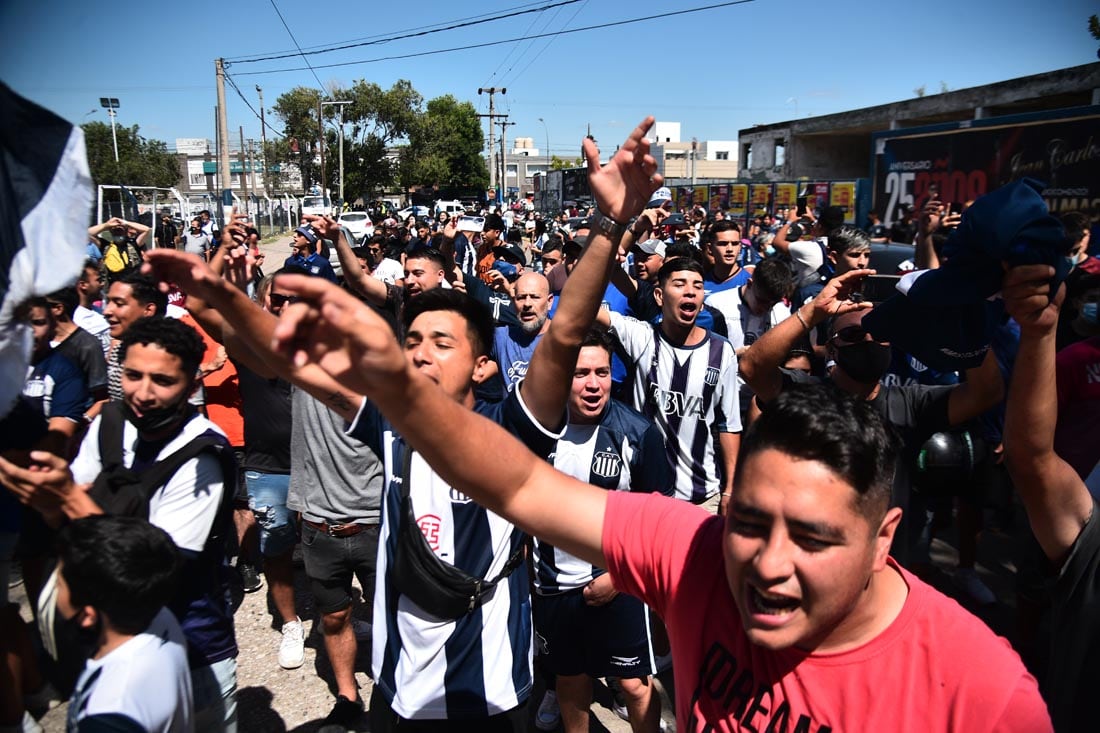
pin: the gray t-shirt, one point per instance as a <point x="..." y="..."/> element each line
<point x="333" y="477"/>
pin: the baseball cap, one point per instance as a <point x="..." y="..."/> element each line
<point x="308" y="233"/>
<point x="660" y="197"/>
<point x="513" y="251"/>
<point x="651" y="247"/>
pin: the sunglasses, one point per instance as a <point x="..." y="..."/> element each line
<point x="278" y="301"/>
<point x="851" y="334"/>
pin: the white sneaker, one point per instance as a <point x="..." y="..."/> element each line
<point x="548" y="716"/>
<point x="30" y="725"/>
<point x="292" y="649"/>
<point x="971" y="584"/>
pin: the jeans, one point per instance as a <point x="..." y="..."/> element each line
<point x="267" y="500"/>
<point x="214" y="689"/>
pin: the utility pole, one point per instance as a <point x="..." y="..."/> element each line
<point x="223" y="143"/>
<point x="244" y="172"/>
<point x="492" y="118"/>
<point x="251" y="165"/>
<point x="263" y="139"/>
<point x="504" y="124"/>
<point x="340" y="108"/>
<point x="321" y="132"/>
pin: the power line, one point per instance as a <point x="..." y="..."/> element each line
<point x="320" y="86"/>
<point x="531" y="27"/>
<point x="249" y="105"/>
<point x="405" y="34"/>
<point x="488" y="44"/>
<point x="547" y="45"/>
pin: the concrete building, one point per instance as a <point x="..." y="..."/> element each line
<point x="197" y="159"/>
<point x="839" y="145"/>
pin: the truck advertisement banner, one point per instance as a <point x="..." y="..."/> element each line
<point x="962" y="164"/>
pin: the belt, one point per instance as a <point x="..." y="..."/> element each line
<point x="335" y="530"/>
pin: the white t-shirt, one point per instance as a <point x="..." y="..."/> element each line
<point x="146" y="682"/>
<point x="808" y="257"/>
<point x="742" y="325"/>
<point x="94" y="324"/>
<point x="185" y="507"/>
<point x="389" y="271"/>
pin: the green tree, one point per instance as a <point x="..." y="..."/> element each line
<point x="445" y="147"/>
<point x="375" y="120"/>
<point x="141" y="162"/>
<point x="557" y="164"/>
<point x="297" y="110"/>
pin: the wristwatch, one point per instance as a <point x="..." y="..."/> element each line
<point x="607" y="226"/>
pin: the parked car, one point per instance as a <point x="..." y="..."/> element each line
<point x="888" y="257"/>
<point x="417" y="211"/>
<point x="359" y="224"/>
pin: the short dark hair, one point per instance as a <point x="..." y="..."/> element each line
<point x="124" y="567"/>
<point x="68" y="298"/>
<point x="494" y="222"/>
<point x="684" y="249"/>
<point x="831" y="218"/>
<point x="479" y="322"/>
<point x="89" y="264"/>
<point x="847" y="238"/>
<point x="553" y="244"/>
<point x="422" y="252"/>
<point x="725" y="225"/>
<point x="146" y="290"/>
<point x="824" y="424"/>
<point x="677" y="264"/>
<point x="600" y="337"/>
<point x="1076" y="225"/>
<point x="514" y="236"/>
<point x="772" y="280"/>
<point x="170" y="334"/>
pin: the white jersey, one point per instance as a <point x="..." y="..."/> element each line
<point x="431" y="668"/>
<point x="145" y="683"/>
<point x="94" y="324"/>
<point x="690" y="392"/>
<point x="742" y="325"/>
<point x="389" y="271"/>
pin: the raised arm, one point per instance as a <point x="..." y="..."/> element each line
<point x="760" y="364"/>
<point x="983" y="389"/>
<point x="252" y="326"/>
<point x="328" y="327"/>
<point x="355" y="276"/>
<point x="1056" y="499"/>
<point x="621" y="188"/>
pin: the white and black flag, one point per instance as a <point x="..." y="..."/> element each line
<point x="45" y="202"/>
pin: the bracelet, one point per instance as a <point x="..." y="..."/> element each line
<point x="798" y="315"/>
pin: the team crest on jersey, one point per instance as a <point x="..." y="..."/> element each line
<point x="711" y="377"/>
<point x="429" y="525"/>
<point x="606" y="464"/>
<point x="457" y="497"/>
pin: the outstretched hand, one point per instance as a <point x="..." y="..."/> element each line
<point x="623" y="186"/>
<point x="337" y="332"/>
<point x="836" y="297"/>
<point x="326" y="226"/>
<point x="189" y="272"/>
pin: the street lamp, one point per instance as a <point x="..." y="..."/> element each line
<point x="547" y="131"/>
<point x="111" y="104"/>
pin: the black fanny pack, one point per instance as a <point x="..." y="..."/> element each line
<point x="438" y="587"/>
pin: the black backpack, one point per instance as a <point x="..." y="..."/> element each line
<point x="121" y="491"/>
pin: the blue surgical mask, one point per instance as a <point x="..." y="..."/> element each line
<point x="1072" y="261"/>
<point x="1088" y="312"/>
<point x="769" y="251"/>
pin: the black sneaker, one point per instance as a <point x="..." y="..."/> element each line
<point x="346" y="715"/>
<point x="250" y="579"/>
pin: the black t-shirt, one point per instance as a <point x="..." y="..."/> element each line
<point x="86" y="351"/>
<point x="265" y="406"/>
<point x="1074" y="664"/>
<point x="903" y="232"/>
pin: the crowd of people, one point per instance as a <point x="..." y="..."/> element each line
<point x="553" y="450"/>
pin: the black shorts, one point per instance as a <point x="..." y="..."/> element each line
<point x="603" y="641"/>
<point x="330" y="563"/>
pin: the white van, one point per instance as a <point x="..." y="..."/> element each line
<point x="316" y="205"/>
<point x="451" y="208"/>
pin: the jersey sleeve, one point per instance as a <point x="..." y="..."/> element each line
<point x="634" y="335"/>
<point x="647" y="541"/>
<point x="70" y="392"/>
<point x="368" y="426"/>
<point x="87" y="465"/>
<point x="108" y="723"/>
<point x="728" y="410"/>
<point x="187" y="505"/>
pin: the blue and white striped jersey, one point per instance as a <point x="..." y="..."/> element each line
<point x="691" y="393"/>
<point x="623" y="452"/>
<point x="431" y="668"/>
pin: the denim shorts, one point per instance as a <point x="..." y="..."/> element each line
<point x="214" y="689"/>
<point x="267" y="500"/>
<point x="331" y="561"/>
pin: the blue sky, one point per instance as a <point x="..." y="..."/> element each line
<point x="716" y="71"/>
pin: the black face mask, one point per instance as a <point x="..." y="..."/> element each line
<point x="157" y="419"/>
<point x="865" y="361"/>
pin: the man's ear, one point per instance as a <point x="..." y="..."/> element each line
<point x="884" y="537"/>
<point x="659" y="296"/>
<point x="89" y="617"/>
<point x="480" y="373"/>
<point x="832" y="257"/>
